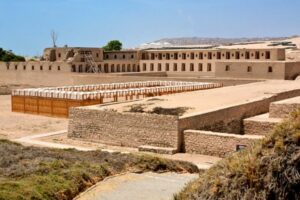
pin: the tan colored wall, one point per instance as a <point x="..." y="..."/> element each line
<point x="258" y="127"/>
<point x="283" y="109"/>
<point x="259" y="70"/>
<point x="215" y="144"/>
<point x="37" y="76"/>
<point x="35" y="66"/>
<point x="123" y="129"/>
<point x="229" y="119"/>
<point x="292" y="70"/>
<point x="159" y="59"/>
<point x="224" y="54"/>
<point x="192" y="67"/>
<point x="122" y="55"/>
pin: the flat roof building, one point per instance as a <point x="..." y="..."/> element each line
<point x="260" y="63"/>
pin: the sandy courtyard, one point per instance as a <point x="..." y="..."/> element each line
<point x="206" y="100"/>
<point x="15" y="125"/>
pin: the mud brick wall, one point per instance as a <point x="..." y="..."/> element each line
<point x="123" y="129"/>
<point x="229" y="119"/>
<point x="282" y="110"/>
<point x="258" y="128"/>
<point x="215" y="144"/>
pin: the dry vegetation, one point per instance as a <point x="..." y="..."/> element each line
<point x="40" y="173"/>
<point x="140" y="108"/>
<point x="270" y="170"/>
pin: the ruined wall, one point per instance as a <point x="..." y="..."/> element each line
<point x="136" y="129"/>
<point x="123" y="129"/>
<point x="228" y="119"/>
<point x="282" y="109"/>
<point x="258" y="127"/>
<point x="215" y="144"/>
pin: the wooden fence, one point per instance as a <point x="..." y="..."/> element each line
<point x="47" y="106"/>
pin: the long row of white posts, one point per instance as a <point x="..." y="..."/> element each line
<point x="95" y="92"/>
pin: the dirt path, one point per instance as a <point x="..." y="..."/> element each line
<point x="146" y="186"/>
<point x="36" y="141"/>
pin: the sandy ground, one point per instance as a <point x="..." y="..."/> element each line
<point x="63" y="139"/>
<point x="15" y="125"/>
<point x="205" y="100"/>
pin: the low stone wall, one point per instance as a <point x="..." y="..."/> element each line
<point x="282" y="110"/>
<point x="229" y="119"/>
<point x="123" y="129"/>
<point x="215" y="144"/>
<point x="258" y="127"/>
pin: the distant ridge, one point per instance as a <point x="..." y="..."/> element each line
<point x="213" y="41"/>
<point x="216" y="41"/>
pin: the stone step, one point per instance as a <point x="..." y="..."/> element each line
<point x="281" y="109"/>
<point x="260" y="124"/>
<point x="160" y="150"/>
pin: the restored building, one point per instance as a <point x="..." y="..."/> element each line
<point x="268" y="63"/>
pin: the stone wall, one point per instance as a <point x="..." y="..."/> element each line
<point x="229" y="119"/>
<point x="215" y="144"/>
<point x="123" y="129"/>
<point x="258" y="127"/>
<point x="282" y="110"/>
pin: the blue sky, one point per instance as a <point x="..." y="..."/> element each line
<point x="25" y="25"/>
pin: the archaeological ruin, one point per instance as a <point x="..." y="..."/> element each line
<point x="65" y="62"/>
<point x="102" y="95"/>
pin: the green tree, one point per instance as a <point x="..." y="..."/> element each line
<point x="113" y="45"/>
<point x="8" y="56"/>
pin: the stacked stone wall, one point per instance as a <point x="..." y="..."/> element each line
<point x="258" y="127"/>
<point x="215" y="144"/>
<point x="123" y="129"/>
<point x="282" y="110"/>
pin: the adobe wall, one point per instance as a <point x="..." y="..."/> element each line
<point x="35" y="73"/>
<point x="258" y="127"/>
<point x="191" y="67"/>
<point x="215" y="144"/>
<point x="282" y="109"/>
<point x="123" y="129"/>
<point x="259" y="70"/>
<point x="292" y="70"/>
<point x="228" y="119"/>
